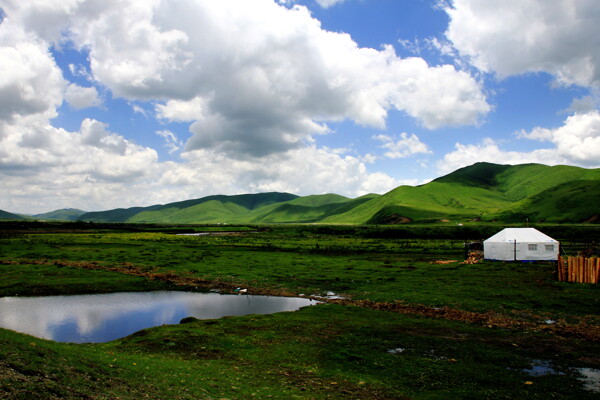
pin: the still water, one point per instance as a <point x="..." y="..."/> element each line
<point x="103" y="317"/>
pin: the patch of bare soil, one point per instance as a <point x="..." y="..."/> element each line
<point x="593" y="219"/>
<point x="587" y="327"/>
<point x="395" y="219"/>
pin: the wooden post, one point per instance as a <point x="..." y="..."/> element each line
<point x="588" y="272"/>
<point x="559" y="269"/>
<point x="569" y="269"/>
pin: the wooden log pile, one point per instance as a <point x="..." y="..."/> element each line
<point x="474" y="257"/>
<point x="578" y="269"/>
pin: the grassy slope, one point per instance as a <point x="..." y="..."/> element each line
<point x="4" y="215"/>
<point x="212" y="211"/>
<point x="434" y="200"/>
<point x="116" y="215"/>
<point x="259" y="208"/>
<point x="65" y="214"/>
<point x="572" y="201"/>
<point x="504" y="192"/>
<point x="307" y="209"/>
<point x="526" y="180"/>
<point x="172" y="212"/>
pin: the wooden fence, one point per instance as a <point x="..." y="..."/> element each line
<point x="578" y="269"/>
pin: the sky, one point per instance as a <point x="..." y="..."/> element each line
<point x="120" y="103"/>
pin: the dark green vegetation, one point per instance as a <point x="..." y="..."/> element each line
<point x="65" y="214"/>
<point x="417" y="323"/>
<point x="9" y="216"/>
<point x="481" y="192"/>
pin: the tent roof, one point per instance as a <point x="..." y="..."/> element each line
<point x="520" y="235"/>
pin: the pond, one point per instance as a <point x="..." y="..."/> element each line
<point x="104" y="317"/>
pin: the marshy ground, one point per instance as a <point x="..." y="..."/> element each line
<point x="407" y="325"/>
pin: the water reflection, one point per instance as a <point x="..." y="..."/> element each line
<point x="104" y="317"/>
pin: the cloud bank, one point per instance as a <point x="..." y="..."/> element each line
<point x="519" y="36"/>
<point x="255" y="81"/>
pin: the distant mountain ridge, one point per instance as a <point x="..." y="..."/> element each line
<point x="482" y="191"/>
<point x="6" y="216"/>
<point x="64" y="214"/>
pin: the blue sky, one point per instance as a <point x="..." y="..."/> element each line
<point x="107" y="104"/>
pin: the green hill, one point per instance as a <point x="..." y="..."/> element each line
<point x="576" y="201"/>
<point x="6" y="216"/>
<point x="489" y="192"/>
<point x="116" y="215"/>
<point x="483" y="191"/>
<point x="309" y="209"/>
<point x="65" y="214"/>
<point x="429" y="202"/>
<point x="211" y="209"/>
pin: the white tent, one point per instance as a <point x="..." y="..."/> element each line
<point x="520" y="244"/>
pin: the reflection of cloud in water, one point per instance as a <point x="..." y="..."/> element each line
<point x="91" y="315"/>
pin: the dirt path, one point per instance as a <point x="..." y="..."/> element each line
<point x="587" y="327"/>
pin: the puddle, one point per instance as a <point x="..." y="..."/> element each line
<point x="330" y="295"/>
<point x="105" y="317"/>
<point x="396" y="351"/>
<point x="431" y="354"/>
<point x="542" y="368"/>
<point x="590" y="377"/>
<point x="215" y="233"/>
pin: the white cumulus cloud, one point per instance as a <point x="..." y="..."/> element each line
<point x="181" y="110"/>
<point x="560" y="37"/>
<point x="329" y="3"/>
<point x="269" y="75"/>
<point x="82" y="97"/>
<point x="30" y="81"/>
<point x="576" y="142"/>
<point x="403" y="147"/>
<point x="489" y="151"/>
<point x="171" y="141"/>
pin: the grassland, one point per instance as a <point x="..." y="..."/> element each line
<point x="416" y="323"/>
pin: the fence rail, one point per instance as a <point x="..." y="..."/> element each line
<point x="578" y="269"/>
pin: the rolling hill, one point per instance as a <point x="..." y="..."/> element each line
<point x="489" y="192"/>
<point x="211" y="209"/>
<point x="482" y="191"/>
<point x="64" y="214"/>
<point x="6" y="216"/>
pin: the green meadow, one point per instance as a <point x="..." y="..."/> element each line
<point x="414" y="321"/>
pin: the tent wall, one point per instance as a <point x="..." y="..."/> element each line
<point x="524" y="251"/>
